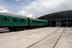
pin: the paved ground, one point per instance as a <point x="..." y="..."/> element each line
<point x="50" y="37"/>
<point x="23" y="39"/>
<point x="50" y="41"/>
<point x="66" y="39"/>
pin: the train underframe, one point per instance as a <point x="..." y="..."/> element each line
<point x="20" y="28"/>
<point x="17" y="28"/>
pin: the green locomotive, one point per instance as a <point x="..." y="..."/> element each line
<point x="13" y="22"/>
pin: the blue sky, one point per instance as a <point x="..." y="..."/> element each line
<point x="34" y="8"/>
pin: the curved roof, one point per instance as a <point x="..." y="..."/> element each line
<point x="58" y="15"/>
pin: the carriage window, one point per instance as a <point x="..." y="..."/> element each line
<point x="15" y="20"/>
<point x="33" y="21"/>
<point x="22" y="20"/>
<point x="5" y="19"/>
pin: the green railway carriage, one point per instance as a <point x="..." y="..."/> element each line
<point x="16" y="22"/>
<point x="11" y="21"/>
<point x="38" y="22"/>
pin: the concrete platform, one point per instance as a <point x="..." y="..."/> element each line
<point x="24" y="39"/>
<point x="66" y="39"/>
<point x="50" y="41"/>
<point x="50" y="37"/>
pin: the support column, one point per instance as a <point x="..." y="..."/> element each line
<point x="50" y="22"/>
<point x="60" y="23"/>
<point x="56" y="23"/>
<point x="67" y="22"/>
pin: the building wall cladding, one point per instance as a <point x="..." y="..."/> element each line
<point x="63" y="18"/>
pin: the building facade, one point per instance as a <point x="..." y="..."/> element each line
<point x="62" y="19"/>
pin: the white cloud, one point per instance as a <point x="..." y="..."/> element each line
<point x="23" y="13"/>
<point x="16" y="0"/>
<point x="4" y="10"/>
<point x="29" y="15"/>
<point x="42" y="7"/>
<point x="1" y="8"/>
